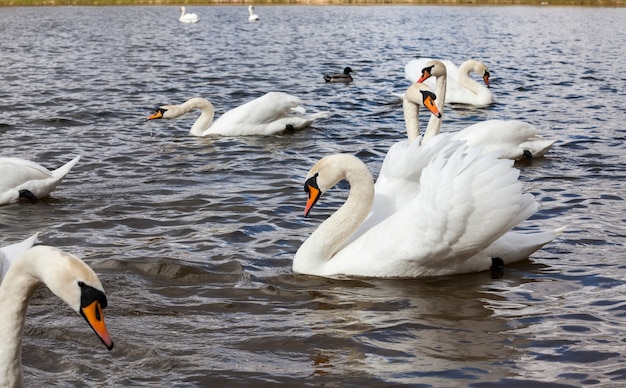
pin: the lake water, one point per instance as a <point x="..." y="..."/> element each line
<point x="193" y="238"/>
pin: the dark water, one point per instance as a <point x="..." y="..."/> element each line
<point x="193" y="238"/>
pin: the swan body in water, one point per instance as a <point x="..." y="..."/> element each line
<point x="21" y="178"/>
<point x="460" y="89"/>
<point x="512" y="139"/>
<point x="187" y="17"/>
<point x="66" y="276"/>
<point x="252" y="16"/>
<point x="270" y="114"/>
<point x="437" y="208"/>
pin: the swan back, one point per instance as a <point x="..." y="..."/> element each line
<point x="18" y="174"/>
<point x="9" y="253"/>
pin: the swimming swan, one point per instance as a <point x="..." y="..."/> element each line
<point x="20" y="178"/>
<point x="66" y="276"/>
<point x="461" y="89"/>
<point x="187" y="17"/>
<point x="253" y="17"/>
<point x="437" y="208"/>
<point x="270" y="114"/>
<point x="512" y="139"/>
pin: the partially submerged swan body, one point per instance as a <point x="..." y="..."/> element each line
<point x="270" y="114"/>
<point x="187" y="17"/>
<point x="21" y="178"/>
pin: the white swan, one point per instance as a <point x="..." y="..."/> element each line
<point x="465" y="203"/>
<point x="512" y="139"/>
<point x="20" y="178"/>
<point x="187" y="17"/>
<point x="253" y="17"/>
<point x="66" y="276"/>
<point x="461" y="89"/>
<point x="437" y="208"/>
<point x="269" y="114"/>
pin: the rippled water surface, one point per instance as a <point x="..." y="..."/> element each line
<point x="193" y="238"/>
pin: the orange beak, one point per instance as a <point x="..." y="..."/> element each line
<point x="314" y="194"/>
<point x="156" y="115"/>
<point x="95" y="318"/>
<point x="425" y="75"/>
<point x="486" y="78"/>
<point x="429" y="103"/>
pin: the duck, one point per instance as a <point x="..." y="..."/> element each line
<point x="66" y="276"/>
<point x="22" y="178"/>
<point x="438" y="208"/>
<point x="253" y="17"/>
<point x="344" y="77"/>
<point x="270" y="114"/>
<point x="461" y="89"/>
<point x="512" y="139"/>
<point x="187" y="17"/>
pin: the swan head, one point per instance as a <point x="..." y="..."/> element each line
<point x="433" y="68"/>
<point x="158" y="114"/>
<point x="421" y="94"/>
<point x="75" y="283"/>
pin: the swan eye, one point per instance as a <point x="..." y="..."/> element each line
<point x="311" y="182"/>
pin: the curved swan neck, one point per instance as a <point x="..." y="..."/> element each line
<point x="16" y="290"/>
<point x="411" y="118"/>
<point x="465" y="80"/>
<point x="325" y="241"/>
<point x="202" y="124"/>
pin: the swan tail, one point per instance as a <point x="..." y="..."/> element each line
<point x="515" y="246"/>
<point x="62" y="171"/>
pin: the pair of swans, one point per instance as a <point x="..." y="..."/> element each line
<point x="187" y="17"/>
<point x="461" y="89"/>
<point x="437" y="208"/>
<point x="343" y="77"/>
<point x="23" y="268"/>
<point x="252" y="16"/>
<point x="270" y="114"/>
<point x="20" y="178"/>
<point x="512" y="139"/>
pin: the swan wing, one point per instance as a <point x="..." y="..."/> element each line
<point x="10" y="252"/>
<point x="510" y="138"/>
<point x="465" y="202"/>
<point x="269" y="114"/>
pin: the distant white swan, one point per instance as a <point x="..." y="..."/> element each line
<point x="66" y="276"/>
<point x="20" y="178"/>
<point x="187" y="17"/>
<point x="512" y="139"/>
<point x="253" y="17"/>
<point x="461" y="89"/>
<point x="270" y="114"/>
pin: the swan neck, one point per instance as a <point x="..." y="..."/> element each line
<point x="202" y="124"/>
<point x="434" y="123"/>
<point x="411" y="118"/>
<point x="327" y="239"/>
<point x="465" y="80"/>
<point x="16" y="290"/>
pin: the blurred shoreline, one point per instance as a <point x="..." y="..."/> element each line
<point x="587" y="3"/>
